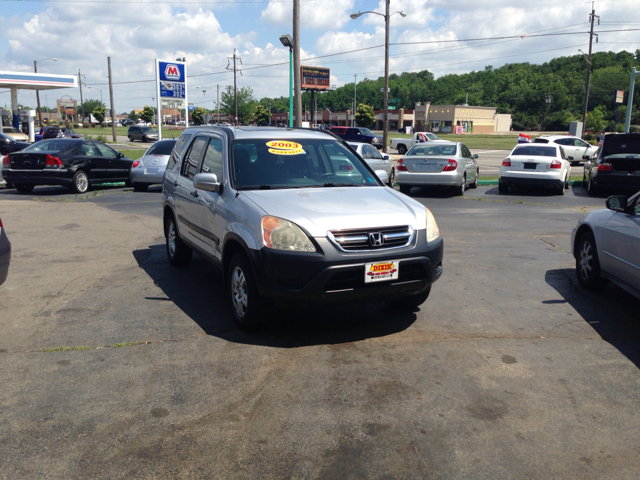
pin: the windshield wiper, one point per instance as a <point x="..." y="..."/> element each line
<point x="331" y="184"/>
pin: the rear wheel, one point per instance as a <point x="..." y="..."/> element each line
<point x="140" y="187"/>
<point x="179" y="254"/>
<point x="591" y="188"/>
<point x="250" y="310"/>
<point x="588" y="264"/>
<point x="392" y="177"/>
<point x="80" y="182"/>
<point x="405" y="189"/>
<point x="502" y="187"/>
<point x="22" y="188"/>
<point x="402" y="149"/>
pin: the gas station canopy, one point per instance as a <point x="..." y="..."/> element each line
<point x="36" y="81"/>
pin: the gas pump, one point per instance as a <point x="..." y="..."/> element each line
<point x="29" y="117"/>
<point x="5" y="118"/>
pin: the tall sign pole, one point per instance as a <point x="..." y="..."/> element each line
<point x="296" y="64"/>
<point x="592" y="17"/>
<point x="627" y="123"/>
<point x="113" y="109"/>
<point x="171" y="87"/>
<point x="385" y="113"/>
<point x="159" y="102"/>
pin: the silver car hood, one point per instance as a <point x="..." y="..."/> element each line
<point x="318" y="210"/>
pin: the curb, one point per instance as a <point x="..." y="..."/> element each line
<point x="577" y="183"/>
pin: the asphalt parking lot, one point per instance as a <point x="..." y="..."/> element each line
<point x="116" y="365"/>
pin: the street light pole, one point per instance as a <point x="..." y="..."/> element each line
<point x="355" y="86"/>
<point x="287" y="41"/>
<point x="35" y="70"/>
<point x="385" y="113"/>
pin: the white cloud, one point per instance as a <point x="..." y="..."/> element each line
<point x="321" y="15"/>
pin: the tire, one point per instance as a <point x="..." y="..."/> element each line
<point x="591" y="188"/>
<point x="461" y="189"/>
<point x="80" y="182"/>
<point x="412" y="301"/>
<point x="178" y="253"/>
<point x="402" y="149"/>
<point x="250" y="310"/>
<point x="22" y="188"/>
<point x="502" y="187"/>
<point x="392" y="178"/>
<point x="406" y="189"/>
<point x="9" y="185"/>
<point x="475" y="182"/>
<point x="140" y="187"/>
<point x="560" y="189"/>
<point x="130" y="138"/>
<point x="588" y="263"/>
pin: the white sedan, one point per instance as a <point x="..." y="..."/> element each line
<point x="606" y="245"/>
<point x="379" y="162"/>
<point x="535" y="165"/>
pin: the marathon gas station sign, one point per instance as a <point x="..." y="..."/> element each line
<point x="171" y="80"/>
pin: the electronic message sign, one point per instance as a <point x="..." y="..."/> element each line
<point x="315" y="78"/>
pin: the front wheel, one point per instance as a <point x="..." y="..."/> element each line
<point x="80" y="182"/>
<point x="250" y="310"/>
<point x="475" y="181"/>
<point x="130" y="138"/>
<point x="22" y="188"/>
<point x="463" y="186"/>
<point x="588" y="264"/>
<point x="392" y="178"/>
<point x="402" y="149"/>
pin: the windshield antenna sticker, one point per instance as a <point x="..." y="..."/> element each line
<point x="282" y="147"/>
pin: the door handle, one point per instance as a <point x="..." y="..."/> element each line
<point x="194" y="193"/>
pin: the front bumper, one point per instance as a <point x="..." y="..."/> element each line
<point x="329" y="276"/>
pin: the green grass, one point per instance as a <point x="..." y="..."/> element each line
<point x="122" y="131"/>
<point x="132" y="154"/>
<point x="66" y="349"/>
<point x="491" y="142"/>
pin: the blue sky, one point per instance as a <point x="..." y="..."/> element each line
<point x="81" y="34"/>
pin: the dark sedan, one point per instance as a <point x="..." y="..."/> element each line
<point x="617" y="167"/>
<point x="72" y="163"/>
<point x="57" y="132"/>
<point x="9" y="145"/>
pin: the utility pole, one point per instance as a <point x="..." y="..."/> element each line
<point x="296" y="64"/>
<point x="385" y="115"/>
<point x="218" y="104"/>
<point x="81" y="102"/>
<point x="113" y="115"/>
<point x="235" y="85"/>
<point x="627" y="123"/>
<point x="355" y="86"/>
<point x="592" y="18"/>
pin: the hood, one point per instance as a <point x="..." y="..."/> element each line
<point x="318" y="210"/>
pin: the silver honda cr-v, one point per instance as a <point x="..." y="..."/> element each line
<point x="294" y="215"/>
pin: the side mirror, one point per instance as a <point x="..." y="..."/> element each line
<point x="207" y="182"/>
<point x="569" y="158"/>
<point x="475" y="155"/>
<point x="385" y="157"/>
<point x="119" y="154"/>
<point x="617" y="203"/>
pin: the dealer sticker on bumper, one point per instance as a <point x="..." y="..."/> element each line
<point x="377" y="272"/>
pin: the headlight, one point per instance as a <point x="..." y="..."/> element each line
<point x="281" y="234"/>
<point x="432" y="227"/>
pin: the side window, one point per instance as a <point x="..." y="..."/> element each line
<point x="372" y="152"/>
<point x="213" y="158"/>
<point x="194" y="155"/>
<point x="580" y="143"/>
<point x="106" y="151"/>
<point x="465" y="151"/>
<point x="89" y="148"/>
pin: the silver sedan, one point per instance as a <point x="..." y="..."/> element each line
<point x="448" y="164"/>
<point x="381" y="163"/>
<point x="149" y="169"/>
<point x="606" y="245"/>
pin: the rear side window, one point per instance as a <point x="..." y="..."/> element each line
<point x="194" y="155"/>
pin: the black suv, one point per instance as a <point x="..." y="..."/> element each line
<point x="144" y="134"/>
<point x="617" y="165"/>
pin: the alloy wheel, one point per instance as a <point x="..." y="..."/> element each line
<point x="586" y="260"/>
<point x="239" y="292"/>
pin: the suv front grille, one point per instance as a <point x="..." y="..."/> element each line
<point x="371" y="239"/>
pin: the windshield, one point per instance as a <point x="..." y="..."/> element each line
<point x="366" y="131"/>
<point x="305" y="163"/>
<point x="52" y="145"/>
<point x="423" y="150"/>
<point x="432" y="136"/>
<point x="537" y="151"/>
<point x="147" y="129"/>
<point x="161" y="148"/>
<point x="10" y="130"/>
